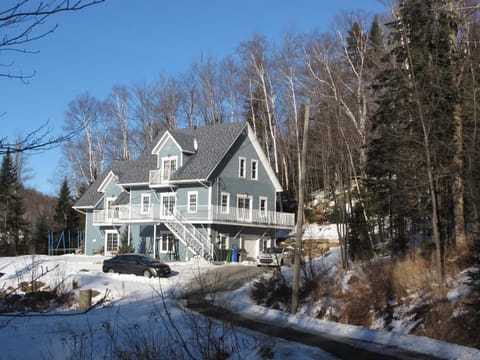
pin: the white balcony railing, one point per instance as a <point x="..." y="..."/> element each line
<point x="209" y="214"/>
<point x="159" y="177"/>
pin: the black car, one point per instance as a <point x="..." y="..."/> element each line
<point x="137" y="264"/>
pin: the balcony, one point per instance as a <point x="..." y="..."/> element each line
<point x="129" y="214"/>
<point x="159" y="177"/>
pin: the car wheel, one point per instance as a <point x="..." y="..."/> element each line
<point x="281" y="262"/>
<point x="147" y="274"/>
<point x="111" y="271"/>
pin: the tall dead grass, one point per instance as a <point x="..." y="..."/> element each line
<point x="413" y="275"/>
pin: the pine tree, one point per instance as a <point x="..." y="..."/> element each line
<point x="40" y="236"/>
<point x="11" y="207"/>
<point x="65" y="218"/>
<point x="410" y="157"/>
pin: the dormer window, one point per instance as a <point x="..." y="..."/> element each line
<point x="169" y="166"/>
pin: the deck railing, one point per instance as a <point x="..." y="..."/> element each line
<point x="210" y="214"/>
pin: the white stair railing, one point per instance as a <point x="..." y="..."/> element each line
<point x="189" y="234"/>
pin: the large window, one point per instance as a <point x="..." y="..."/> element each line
<point x="242" y="167"/>
<point x="225" y="202"/>
<point x="254" y="170"/>
<point x="192" y="201"/>
<point x="168" y="204"/>
<point x="145" y="208"/>
<point x="244" y="205"/>
<point x="169" y="166"/>
<point x="111" y="241"/>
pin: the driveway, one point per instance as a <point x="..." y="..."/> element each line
<point x="231" y="277"/>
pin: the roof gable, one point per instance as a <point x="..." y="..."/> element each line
<point x="103" y="186"/>
<point x="264" y="160"/>
<point x="213" y="143"/>
<point x="184" y="142"/>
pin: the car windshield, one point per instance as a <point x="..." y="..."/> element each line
<point x="277" y="250"/>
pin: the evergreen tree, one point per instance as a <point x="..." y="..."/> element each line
<point x="40" y="236"/>
<point x="11" y="208"/>
<point x="410" y="156"/>
<point x="65" y="218"/>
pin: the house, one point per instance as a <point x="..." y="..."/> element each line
<point x="195" y="191"/>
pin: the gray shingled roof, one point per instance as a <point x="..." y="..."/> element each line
<point x="213" y="143"/>
<point x="185" y="141"/>
<point x="92" y="196"/>
<point x="122" y="199"/>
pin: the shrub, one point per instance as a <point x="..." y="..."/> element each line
<point x="272" y="291"/>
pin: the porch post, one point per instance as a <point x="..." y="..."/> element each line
<point x="154" y="241"/>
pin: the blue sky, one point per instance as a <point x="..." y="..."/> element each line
<point x="123" y="42"/>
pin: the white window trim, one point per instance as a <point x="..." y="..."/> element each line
<point x="162" y="166"/>
<point x="245" y="196"/>
<point x="110" y="210"/>
<point x="160" y="240"/>
<point x="240" y="167"/>
<point x="164" y="195"/>
<point x="189" y="205"/>
<point x="227" y="209"/>
<point x="254" y="161"/>
<point x="143" y="210"/>
<point x="263" y="212"/>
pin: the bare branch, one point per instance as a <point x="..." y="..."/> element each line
<point x="22" y="23"/>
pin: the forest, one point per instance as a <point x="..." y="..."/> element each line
<point x="392" y="131"/>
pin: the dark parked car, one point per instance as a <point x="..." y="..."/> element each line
<point x="137" y="264"/>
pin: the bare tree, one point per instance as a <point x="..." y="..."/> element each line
<point x="87" y="150"/>
<point x="118" y="109"/>
<point x="145" y="121"/>
<point x="211" y="95"/>
<point x="254" y="56"/>
<point x="167" y="94"/>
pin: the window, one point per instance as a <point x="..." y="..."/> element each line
<point x="169" y="166"/>
<point x="112" y="210"/>
<point x="254" y="172"/>
<point x="242" y="164"/>
<point x="244" y="207"/>
<point x="168" y="204"/>
<point x="262" y="206"/>
<point x="111" y="241"/>
<point x="167" y="243"/>
<point x="225" y="203"/>
<point x="145" y="207"/>
<point x="192" y="202"/>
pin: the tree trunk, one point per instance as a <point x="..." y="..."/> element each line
<point x="298" y="239"/>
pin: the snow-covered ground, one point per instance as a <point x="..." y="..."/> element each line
<point x="138" y="310"/>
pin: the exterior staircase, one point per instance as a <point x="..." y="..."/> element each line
<point x="185" y="231"/>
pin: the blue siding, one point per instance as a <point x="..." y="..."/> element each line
<point x="229" y="181"/>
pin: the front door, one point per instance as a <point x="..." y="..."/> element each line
<point x="111" y="242"/>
